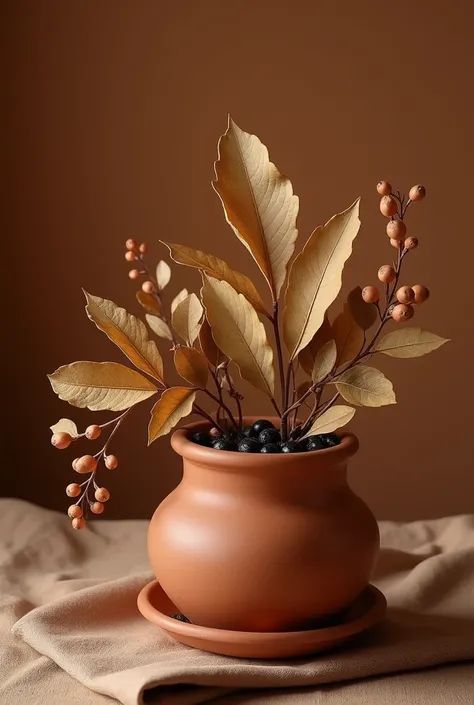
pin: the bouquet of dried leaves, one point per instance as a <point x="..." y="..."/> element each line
<point x="228" y="325"/>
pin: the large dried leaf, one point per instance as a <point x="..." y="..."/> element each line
<point x="163" y="274"/>
<point x="316" y="278"/>
<point x="258" y="203"/>
<point x="208" y="345"/>
<point x="363" y="314"/>
<point x="186" y="318"/>
<point x="127" y="332"/>
<point x="217" y="268"/>
<point x="332" y="419"/>
<point x="100" y="386"/>
<point x="65" y="426"/>
<point x="365" y="386"/>
<point x="348" y="336"/>
<point x="174" y="404"/>
<point x="307" y="356"/>
<point x="239" y="333"/>
<point x="324" y="361"/>
<point x="409" y="342"/>
<point x="159" y="327"/>
<point x="150" y="303"/>
<point x="191" y="365"/>
<point x="178" y="298"/>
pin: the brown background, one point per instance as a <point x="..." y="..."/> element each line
<point x="113" y="110"/>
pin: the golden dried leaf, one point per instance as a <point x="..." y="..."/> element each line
<point x="174" y="404"/>
<point x="365" y="386"/>
<point x="191" y="365"/>
<point x="332" y="419"/>
<point x="363" y="314"/>
<point x="217" y="268"/>
<point x="308" y="354"/>
<point x="208" y="345"/>
<point x="324" y="361"/>
<point x="65" y="426"/>
<point x="316" y="278"/>
<point x="150" y="303"/>
<point x="348" y="336"/>
<point x="178" y="298"/>
<point x="100" y="386"/>
<point x="159" y="327"/>
<point x="163" y="274"/>
<point x="127" y="332"/>
<point x="409" y="342"/>
<point x="239" y="333"/>
<point x="258" y="203"/>
<point x="186" y="318"/>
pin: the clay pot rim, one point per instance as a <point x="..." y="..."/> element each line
<point x="225" y="459"/>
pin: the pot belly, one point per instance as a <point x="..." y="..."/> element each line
<point x="258" y="567"/>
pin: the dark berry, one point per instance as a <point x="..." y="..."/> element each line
<point x="202" y="438"/>
<point x="180" y="618"/>
<point x="261" y="424"/>
<point x="269" y="435"/>
<point x="250" y="432"/>
<point x="223" y="444"/>
<point x="291" y="447"/>
<point x="330" y="439"/>
<point x="296" y="433"/>
<point x="270" y="448"/>
<point x="315" y="443"/>
<point x="249" y="445"/>
<point x="233" y="432"/>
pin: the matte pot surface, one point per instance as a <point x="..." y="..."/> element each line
<point x="256" y="542"/>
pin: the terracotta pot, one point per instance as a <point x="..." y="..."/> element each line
<point x="262" y="542"/>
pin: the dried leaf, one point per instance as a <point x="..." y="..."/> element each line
<point x="65" y="426"/>
<point x="150" y="303"/>
<point x="100" y="386"/>
<point x="239" y="333"/>
<point x="348" y="336"/>
<point x="217" y="268"/>
<point x="363" y="314"/>
<point x="365" y="386"/>
<point x="332" y="419"/>
<point x="258" y="203"/>
<point x="324" y="361"/>
<point x="409" y="342"/>
<point x="186" y="318"/>
<point x="174" y="404"/>
<point x="208" y="345"/>
<point x="159" y="327"/>
<point x="178" y="298"/>
<point x="163" y="274"/>
<point x="308" y="354"/>
<point x="191" y="365"/>
<point x="316" y="278"/>
<point x="127" y="332"/>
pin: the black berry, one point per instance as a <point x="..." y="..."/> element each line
<point x="249" y="445"/>
<point x="330" y="439"/>
<point x="269" y="435"/>
<point x="315" y="443"/>
<point x="261" y="424"/>
<point x="250" y="432"/>
<point x="223" y="444"/>
<point x="270" y="448"/>
<point x="296" y="433"/>
<point x="290" y="447"/>
<point x="180" y="618"/>
<point x="202" y="438"/>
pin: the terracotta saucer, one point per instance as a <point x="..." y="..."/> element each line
<point x="367" y="610"/>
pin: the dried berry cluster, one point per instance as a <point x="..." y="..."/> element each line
<point x="315" y="361"/>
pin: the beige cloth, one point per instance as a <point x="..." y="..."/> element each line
<point x="71" y="599"/>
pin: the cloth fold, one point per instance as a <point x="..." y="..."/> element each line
<point x="71" y="597"/>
